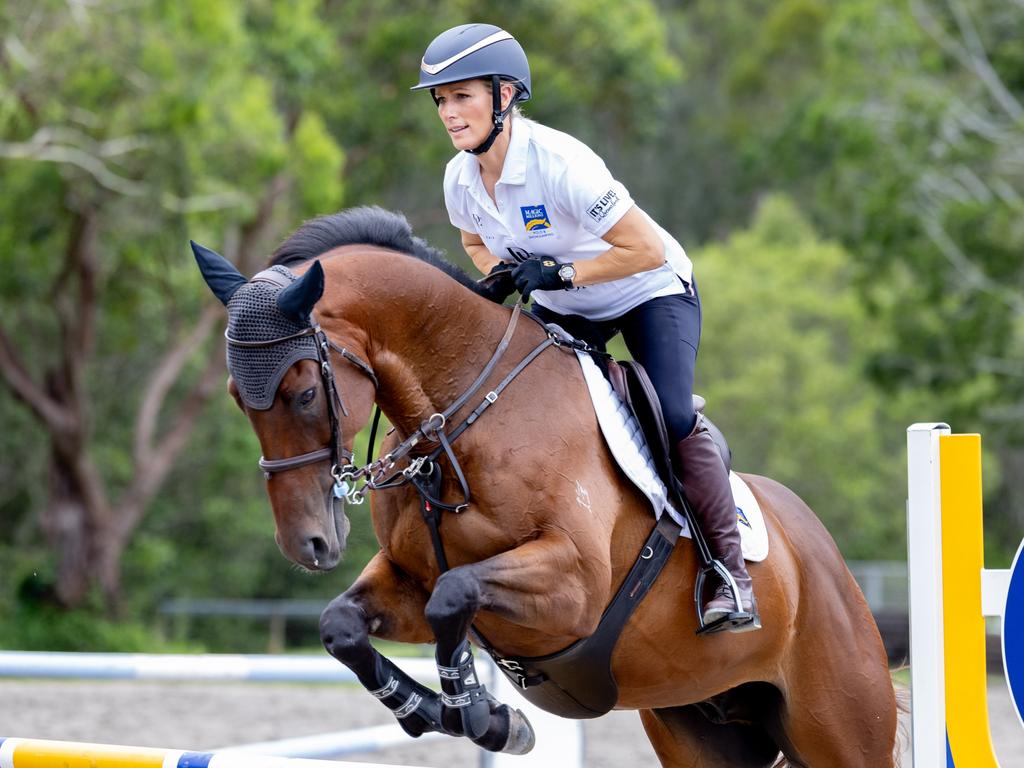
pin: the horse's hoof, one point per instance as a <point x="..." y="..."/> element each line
<point x="520" y="734"/>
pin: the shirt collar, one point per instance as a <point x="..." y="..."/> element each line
<point x="469" y="172"/>
<point x="514" y="169"/>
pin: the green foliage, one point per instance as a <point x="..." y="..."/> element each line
<point x="86" y="631"/>
<point x="921" y="184"/>
<point x="317" y="161"/>
<point x="33" y="622"/>
<point x="782" y="363"/>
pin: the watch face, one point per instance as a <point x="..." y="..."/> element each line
<point x="567" y="272"/>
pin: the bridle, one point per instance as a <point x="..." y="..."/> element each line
<point x="340" y="457"/>
<point x="382" y="474"/>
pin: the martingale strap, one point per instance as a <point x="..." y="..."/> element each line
<point x="430" y="487"/>
<point x="373" y="433"/>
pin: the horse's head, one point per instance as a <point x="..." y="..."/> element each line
<point x="305" y="411"/>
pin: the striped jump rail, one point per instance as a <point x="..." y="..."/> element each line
<point x="39" y="753"/>
<point x="214" y="666"/>
<point x="559" y="742"/>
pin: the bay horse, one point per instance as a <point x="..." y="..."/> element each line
<point x="547" y="527"/>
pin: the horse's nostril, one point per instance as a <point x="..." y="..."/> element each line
<point x="320" y="550"/>
<point x="316" y="554"/>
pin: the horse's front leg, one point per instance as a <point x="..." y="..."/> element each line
<point x="527" y="585"/>
<point x="384" y="601"/>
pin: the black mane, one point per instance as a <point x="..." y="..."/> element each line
<point x="367" y="224"/>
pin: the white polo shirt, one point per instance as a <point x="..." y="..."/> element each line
<point x="557" y="198"/>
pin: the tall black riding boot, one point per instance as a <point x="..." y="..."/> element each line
<point x="706" y="483"/>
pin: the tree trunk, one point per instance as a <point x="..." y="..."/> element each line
<point x="109" y="548"/>
<point x="64" y="521"/>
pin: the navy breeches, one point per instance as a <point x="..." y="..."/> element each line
<point x="662" y="335"/>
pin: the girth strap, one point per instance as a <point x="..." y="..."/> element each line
<point x="577" y="682"/>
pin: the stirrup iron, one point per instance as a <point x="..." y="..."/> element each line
<point x="731" y="621"/>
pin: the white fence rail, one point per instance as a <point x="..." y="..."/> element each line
<point x="559" y="741"/>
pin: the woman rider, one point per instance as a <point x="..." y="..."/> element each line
<point x="594" y="263"/>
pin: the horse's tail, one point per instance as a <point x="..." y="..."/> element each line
<point x="903" y="713"/>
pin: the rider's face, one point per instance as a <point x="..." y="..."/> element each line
<point x="466" y="110"/>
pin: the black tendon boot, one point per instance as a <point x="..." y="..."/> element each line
<point x="706" y="484"/>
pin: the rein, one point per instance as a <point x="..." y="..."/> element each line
<point x="421" y="469"/>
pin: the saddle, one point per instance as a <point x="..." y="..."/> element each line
<point x="630" y="382"/>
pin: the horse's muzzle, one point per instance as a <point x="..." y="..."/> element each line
<point x="318" y="548"/>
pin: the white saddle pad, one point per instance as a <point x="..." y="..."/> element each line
<point x="626" y="442"/>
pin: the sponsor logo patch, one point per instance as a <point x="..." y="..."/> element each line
<point x="535" y="218"/>
<point x="603" y="205"/>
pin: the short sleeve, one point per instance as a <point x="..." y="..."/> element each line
<point x="455" y="200"/>
<point x="591" y="195"/>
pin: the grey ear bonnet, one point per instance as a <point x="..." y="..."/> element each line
<point x="253" y="315"/>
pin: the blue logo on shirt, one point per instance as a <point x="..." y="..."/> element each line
<point x="535" y="217"/>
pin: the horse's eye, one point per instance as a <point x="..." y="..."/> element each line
<point x="307" y="397"/>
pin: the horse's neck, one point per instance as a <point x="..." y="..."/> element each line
<point x="431" y="357"/>
<point x="428" y="336"/>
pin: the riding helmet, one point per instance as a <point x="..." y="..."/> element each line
<point x="471" y="51"/>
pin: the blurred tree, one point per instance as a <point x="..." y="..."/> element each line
<point x="909" y="151"/>
<point x="785" y="345"/>
<point x="896" y="128"/>
<point x="119" y="127"/>
<point x="920" y="147"/>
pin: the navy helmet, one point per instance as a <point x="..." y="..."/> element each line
<point x="477" y="51"/>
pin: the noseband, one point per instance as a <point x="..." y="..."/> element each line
<point x="340" y="456"/>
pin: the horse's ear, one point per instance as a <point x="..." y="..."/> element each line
<point x="297" y="300"/>
<point x="219" y="273"/>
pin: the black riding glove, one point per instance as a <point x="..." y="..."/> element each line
<point x="498" y="284"/>
<point x="540" y="274"/>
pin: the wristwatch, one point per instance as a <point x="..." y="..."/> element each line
<point x="567" y="272"/>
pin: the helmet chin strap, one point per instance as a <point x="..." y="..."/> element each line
<point x="499" y="116"/>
